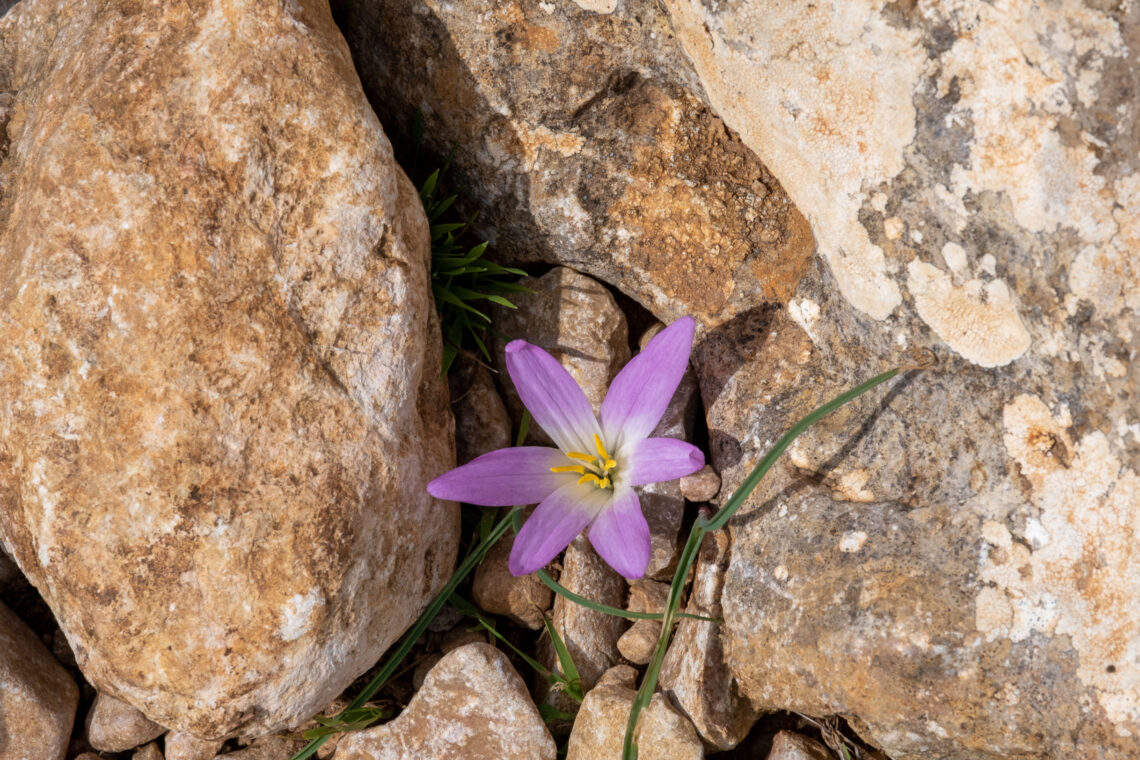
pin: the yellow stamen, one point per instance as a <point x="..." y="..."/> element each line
<point x="604" y="483"/>
<point x="601" y="448"/>
<point x="580" y="456"/>
<point x="570" y="468"/>
<point x="590" y="477"/>
<point x="610" y="464"/>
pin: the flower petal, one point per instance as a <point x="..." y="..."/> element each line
<point x="656" y="459"/>
<point x="553" y="525"/>
<point x="552" y="396"/>
<point x="620" y="535"/>
<point x="502" y="478"/>
<point x="640" y="393"/>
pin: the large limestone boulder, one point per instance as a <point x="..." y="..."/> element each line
<point x="219" y="363"/>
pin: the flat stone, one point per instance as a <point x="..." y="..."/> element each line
<point x="694" y="675"/>
<point x="179" y="745"/>
<point x="788" y="745"/>
<point x="525" y="599"/>
<point x="599" y="730"/>
<point x="472" y="705"/>
<point x="115" y="726"/>
<point x="219" y="357"/>
<point x="38" y="698"/>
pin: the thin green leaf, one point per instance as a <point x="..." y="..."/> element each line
<point x="551" y="714"/>
<point x="561" y="590"/>
<point x="565" y="661"/>
<point x="500" y="301"/>
<point x="428" y="188"/>
<point x="442" y="206"/>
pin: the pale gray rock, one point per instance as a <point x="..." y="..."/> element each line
<point x="219" y="357"/>
<point x="37" y="696"/>
<point x="525" y="599"/>
<point x="179" y="745"/>
<point x="599" y="730"/>
<point x="472" y="705"/>
<point x="115" y="726"/>
<point x="694" y="675"/>
<point x="788" y="745"/>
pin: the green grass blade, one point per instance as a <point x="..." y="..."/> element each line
<point x="569" y="670"/>
<point x="561" y="590"/>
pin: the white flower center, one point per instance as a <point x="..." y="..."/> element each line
<point x="594" y="468"/>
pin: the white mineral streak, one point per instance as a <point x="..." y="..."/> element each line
<point x="1084" y="559"/>
<point x="834" y="83"/>
<point x="977" y="319"/>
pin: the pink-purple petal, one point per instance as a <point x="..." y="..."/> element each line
<point x="503" y="478"/>
<point x="655" y="459"/>
<point x="639" y="394"/>
<point x="552" y="396"/>
<point x="553" y="525"/>
<point x="620" y="535"/>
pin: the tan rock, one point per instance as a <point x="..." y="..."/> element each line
<point x="473" y="705"/>
<point x="179" y="745"/>
<point x="218" y="357"/>
<point x="481" y="420"/>
<point x="115" y="726"/>
<point x="267" y="748"/>
<point x="788" y="745"/>
<point x="703" y="485"/>
<point x="147" y="752"/>
<point x="694" y="675"/>
<point x="590" y="637"/>
<point x="599" y="730"/>
<point x="638" y="642"/>
<point x="38" y="698"/>
<point x="576" y="319"/>
<point x="585" y="143"/>
<point x="524" y="599"/>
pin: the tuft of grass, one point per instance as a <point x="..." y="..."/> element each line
<point x="463" y="280"/>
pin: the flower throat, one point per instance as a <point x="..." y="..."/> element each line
<point x="596" y="468"/>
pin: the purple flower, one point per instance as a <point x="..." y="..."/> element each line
<point x="588" y="480"/>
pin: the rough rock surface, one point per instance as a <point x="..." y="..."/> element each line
<point x="473" y="705"/>
<point x="599" y="730"/>
<point x="581" y="137"/>
<point x="525" y="599"/>
<point x="114" y="726"/>
<point x="694" y="675"/>
<point x="218" y="356"/>
<point x="637" y="643"/>
<point x="147" y="752"/>
<point x="37" y="696"/>
<point x="968" y="169"/>
<point x="481" y="420"/>
<point x="179" y="745"/>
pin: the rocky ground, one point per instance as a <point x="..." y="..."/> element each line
<point x="222" y="400"/>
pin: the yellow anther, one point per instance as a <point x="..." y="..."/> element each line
<point x="604" y="483"/>
<point x="610" y="464"/>
<point x="580" y="456"/>
<point x="601" y="447"/>
<point x="590" y="477"/>
<point x="570" y="468"/>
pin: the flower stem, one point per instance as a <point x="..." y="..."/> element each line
<point x="704" y="525"/>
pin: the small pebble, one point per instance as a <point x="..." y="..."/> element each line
<point x="115" y="726"/>
<point x="148" y="752"/>
<point x="792" y="746"/>
<point x="180" y="745"/>
<point x="703" y="485"/>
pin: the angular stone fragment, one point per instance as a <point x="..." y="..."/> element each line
<point x="179" y="745"/>
<point x="789" y="745"/>
<point x="267" y="748"/>
<point x="524" y="599"/>
<point x="219" y="361"/>
<point x="473" y="705"/>
<point x="115" y="726"/>
<point x="694" y="675"/>
<point x="599" y="730"/>
<point x="637" y="643"/>
<point x="37" y="696"/>
<point x="576" y="319"/>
